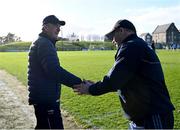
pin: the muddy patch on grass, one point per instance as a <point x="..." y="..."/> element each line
<point x="15" y="113"/>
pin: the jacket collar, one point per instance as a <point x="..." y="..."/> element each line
<point x="130" y="37"/>
<point x="42" y="34"/>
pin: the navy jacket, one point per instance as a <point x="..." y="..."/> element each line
<point x="138" y="77"/>
<point x="45" y="75"/>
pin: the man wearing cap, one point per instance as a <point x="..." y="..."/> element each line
<point x="138" y="78"/>
<point x="45" y="76"/>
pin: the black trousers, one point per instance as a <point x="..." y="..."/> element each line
<point x="155" y="121"/>
<point x="48" y="116"/>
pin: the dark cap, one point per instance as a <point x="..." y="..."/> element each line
<point x="53" y="20"/>
<point x="121" y="23"/>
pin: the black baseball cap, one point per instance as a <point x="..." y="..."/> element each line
<point x="120" y="23"/>
<point x="53" y="20"/>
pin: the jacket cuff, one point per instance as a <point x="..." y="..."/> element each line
<point x="94" y="90"/>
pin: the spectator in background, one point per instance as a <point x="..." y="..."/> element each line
<point x="153" y="46"/>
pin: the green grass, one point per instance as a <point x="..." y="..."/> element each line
<point x="102" y="111"/>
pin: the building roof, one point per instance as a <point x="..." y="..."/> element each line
<point x="144" y="34"/>
<point x="162" y="28"/>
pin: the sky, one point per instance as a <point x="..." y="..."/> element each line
<point x="24" y="17"/>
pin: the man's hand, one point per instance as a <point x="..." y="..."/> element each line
<point x="83" y="88"/>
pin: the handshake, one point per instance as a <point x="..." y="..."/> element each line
<point x="83" y="88"/>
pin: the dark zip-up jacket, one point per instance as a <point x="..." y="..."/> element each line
<point x="45" y="75"/>
<point x="138" y="77"/>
